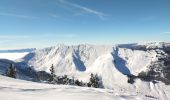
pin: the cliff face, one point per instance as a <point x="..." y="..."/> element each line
<point x="158" y="70"/>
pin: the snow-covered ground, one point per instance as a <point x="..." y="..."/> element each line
<point x="112" y="63"/>
<point x="14" y="89"/>
<point x="12" y="56"/>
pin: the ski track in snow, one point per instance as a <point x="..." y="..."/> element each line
<point x="161" y="92"/>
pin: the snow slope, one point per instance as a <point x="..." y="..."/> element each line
<point x="84" y="58"/>
<point x="112" y="63"/>
<point x="14" y="89"/>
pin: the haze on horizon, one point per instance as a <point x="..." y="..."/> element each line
<point x="41" y="23"/>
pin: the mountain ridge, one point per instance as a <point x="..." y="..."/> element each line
<point x="116" y="64"/>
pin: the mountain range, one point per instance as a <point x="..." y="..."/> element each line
<point x="147" y="64"/>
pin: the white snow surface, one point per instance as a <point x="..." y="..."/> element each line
<point x="14" y="89"/>
<point x="12" y="56"/>
<point x="85" y="58"/>
<point x="109" y="62"/>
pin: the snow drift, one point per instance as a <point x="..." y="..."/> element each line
<point x="14" y="89"/>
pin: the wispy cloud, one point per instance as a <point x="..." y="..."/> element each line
<point x="4" y="41"/>
<point x="60" y="35"/>
<point x="149" y="18"/>
<point x="166" y="32"/>
<point x="13" y="37"/>
<point x="17" y="15"/>
<point x="54" y="16"/>
<point x="84" y="10"/>
<point x="91" y="11"/>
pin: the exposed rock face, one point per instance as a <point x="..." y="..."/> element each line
<point x="158" y="70"/>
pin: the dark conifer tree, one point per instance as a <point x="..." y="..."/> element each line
<point x="95" y="81"/>
<point x="11" y="72"/>
<point x="52" y="73"/>
<point x="92" y="80"/>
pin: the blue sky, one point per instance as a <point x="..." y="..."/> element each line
<point x="42" y="23"/>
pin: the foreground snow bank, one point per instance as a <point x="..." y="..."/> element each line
<point x="14" y="89"/>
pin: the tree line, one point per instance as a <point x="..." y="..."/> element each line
<point x="94" y="81"/>
<point x="51" y="78"/>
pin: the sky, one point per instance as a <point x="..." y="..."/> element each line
<point x="45" y="23"/>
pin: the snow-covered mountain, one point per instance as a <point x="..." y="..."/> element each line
<point x="114" y="63"/>
<point x="8" y="57"/>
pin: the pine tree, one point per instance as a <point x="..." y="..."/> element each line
<point x="77" y="82"/>
<point x="11" y="72"/>
<point x="95" y="81"/>
<point x="52" y="73"/>
<point x="72" y="81"/>
<point x="92" y="80"/>
<point x="65" y="80"/>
